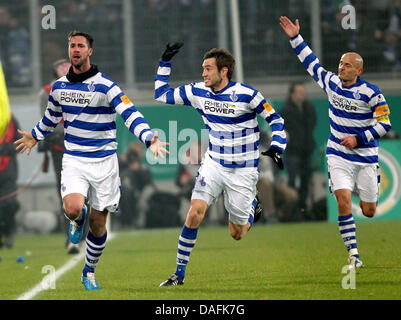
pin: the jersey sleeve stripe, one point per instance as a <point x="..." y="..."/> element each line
<point x="183" y="95"/>
<point x="170" y="97"/>
<point x="161" y="90"/>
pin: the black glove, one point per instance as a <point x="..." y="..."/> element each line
<point x="275" y="154"/>
<point x="171" y="50"/>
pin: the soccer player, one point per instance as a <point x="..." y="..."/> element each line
<point x="359" y="117"/>
<point x="55" y="143"/>
<point x="88" y="101"/>
<point x="228" y="110"/>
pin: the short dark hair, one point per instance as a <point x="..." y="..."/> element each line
<point x="88" y="37"/>
<point x="223" y="59"/>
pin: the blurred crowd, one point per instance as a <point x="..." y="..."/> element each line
<point x="15" y="45"/>
<point x="377" y="35"/>
<point x="265" y="48"/>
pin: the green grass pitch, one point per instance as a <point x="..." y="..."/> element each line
<point x="273" y="262"/>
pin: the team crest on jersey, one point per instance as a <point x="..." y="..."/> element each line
<point x="233" y="96"/>
<point x="357" y="95"/>
<point x="91" y="86"/>
<point x="62" y="85"/>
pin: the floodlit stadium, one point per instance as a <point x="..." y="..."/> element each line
<point x="325" y="86"/>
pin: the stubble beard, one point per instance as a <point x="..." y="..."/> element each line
<point x="215" y="84"/>
<point x="80" y="63"/>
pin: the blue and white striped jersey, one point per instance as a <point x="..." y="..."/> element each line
<point x="229" y="116"/>
<point x="359" y="109"/>
<point x="89" y="112"/>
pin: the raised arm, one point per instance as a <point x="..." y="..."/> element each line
<point x="305" y="55"/>
<point x="163" y="92"/>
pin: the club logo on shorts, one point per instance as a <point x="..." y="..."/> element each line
<point x="202" y="181"/>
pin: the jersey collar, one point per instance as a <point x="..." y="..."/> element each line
<point x="230" y="84"/>
<point x="73" y="77"/>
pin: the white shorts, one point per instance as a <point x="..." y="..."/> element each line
<point x="363" y="179"/>
<point x="98" y="181"/>
<point x="237" y="185"/>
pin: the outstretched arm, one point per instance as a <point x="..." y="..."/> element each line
<point x="163" y="92"/>
<point x="305" y="55"/>
<point x="135" y="121"/>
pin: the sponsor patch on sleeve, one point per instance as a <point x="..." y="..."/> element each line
<point x="125" y="99"/>
<point x="382" y="110"/>
<point x="268" y="107"/>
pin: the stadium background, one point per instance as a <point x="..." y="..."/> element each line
<point x="131" y="35"/>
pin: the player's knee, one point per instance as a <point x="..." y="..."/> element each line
<point x="369" y="212"/>
<point x="72" y="210"/>
<point x="236" y="235"/>
<point x="368" y="209"/>
<point x="236" y="232"/>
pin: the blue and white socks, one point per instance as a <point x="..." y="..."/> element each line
<point x="347" y="228"/>
<point x="186" y="243"/>
<point x="94" y="249"/>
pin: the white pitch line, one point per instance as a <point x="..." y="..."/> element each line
<point x="30" y="294"/>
